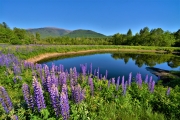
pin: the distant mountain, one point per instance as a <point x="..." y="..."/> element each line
<point x="85" y="33"/>
<point x="56" y="32"/>
<point x="49" y="31"/>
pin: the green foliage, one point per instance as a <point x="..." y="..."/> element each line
<point x="145" y="37"/>
<point x="106" y="103"/>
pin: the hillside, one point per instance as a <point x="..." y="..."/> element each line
<point x="85" y="33"/>
<point x="56" y="32"/>
<point x="49" y="31"/>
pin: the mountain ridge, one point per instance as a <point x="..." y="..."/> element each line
<point x="58" y="32"/>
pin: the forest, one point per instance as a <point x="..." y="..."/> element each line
<point x="145" y="37"/>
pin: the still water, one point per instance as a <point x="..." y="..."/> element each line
<point x="119" y="64"/>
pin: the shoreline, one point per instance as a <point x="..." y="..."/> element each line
<point x="55" y="54"/>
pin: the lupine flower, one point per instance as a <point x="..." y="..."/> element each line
<point x="129" y="80"/>
<point x="66" y="73"/>
<point x="168" y="91"/>
<point x="62" y="78"/>
<point x="55" y="99"/>
<point x="77" y="93"/>
<point x="152" y="86"/>
<point x="150" y="83"/>
<point x="64" y="89"/>
<point x="75" y="76"/>
<point x="61" y="68"/>
<point x="83" y="69"/>
<point x="91" y="85"/>
<point x="54" y="79"/>
<point x="101" y="76"/>
<point x="27" y="97"/>
<point x="113" y="81"/>
<point x="122" y="83"/>
<point x="95" y="72"/>
<point x="146" y="79"/>
<point x="64" y="105"/>
<point x="48" y="83"/>
<point x="5" y="100"/>
<point x="71" y="73"/>
<point x="16" y="70"/>
<point x="124" y="89"/>
<point x="38" y="95"/>
<point x="117" y="84"/>
<point x="139" y="79"/>
<point x="98" y="73"/>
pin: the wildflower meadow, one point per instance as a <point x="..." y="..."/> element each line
<point x="31" y="91"/>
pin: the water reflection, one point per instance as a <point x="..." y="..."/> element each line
<point x="150" y="59"/>
<point x="118" y="63"/>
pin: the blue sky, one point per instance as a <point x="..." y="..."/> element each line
<point x="105" y="16"/>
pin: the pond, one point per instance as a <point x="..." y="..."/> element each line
<point x="119" y="63"/>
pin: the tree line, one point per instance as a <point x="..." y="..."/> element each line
<point x="145" y="37"/>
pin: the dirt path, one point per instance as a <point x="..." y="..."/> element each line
<point x="49" y="55"/>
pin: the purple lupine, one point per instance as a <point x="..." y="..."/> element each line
<point x="53" y="67"/>
<point x="168" y="91"/>
<point x="16" y="70"/>
<point x="38" y="95"/>
<point x="27" y="97"/>
<point x="98" y="73"/>
<point x="66" y="73"/>
<point x="113" y="81"/>
<point x="48" y="83"/>
<point x="65" y="89"/>
<point x="124" y="89"/>
<point x="5" y="100"/>
<point x="46" y="70"/>
<point x="75" y="76"/>
<point x="55" y="99"/>
<point x="139" y="80"/>
<point x="146" y="79"/>
<point x="130" y="78"/>
<point x="101" y="76"/>
<point x="71" y="73"/>
<point x="90" y="81"/>
<point x="64" y="105"/>
<point x="150" y="83"/>
<point x="77" y="93"/>
<point x="106" y="74"/>
<point x="54" y="79"/>
<point x="152" y="86"/>
<point x="95" y="72"/>
<point x="83" y="69"/>
<point x="117" y="84"/>
<point x="62" y="78"/>
<point x="61" y="68"/>
<point x="122" y="83"/>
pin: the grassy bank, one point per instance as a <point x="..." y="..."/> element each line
<point x="31" y="51"/>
